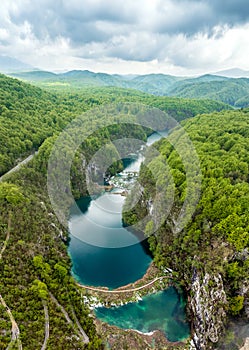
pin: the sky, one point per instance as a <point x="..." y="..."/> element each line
<point x="181" y="37"/>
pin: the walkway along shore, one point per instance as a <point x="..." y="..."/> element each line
<point x="95" y="289"/>
<point x="152" y="281"/>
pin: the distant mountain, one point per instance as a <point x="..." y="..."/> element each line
<point x="214" y="87"/>
<point x="10" y="65"/>
<point x="75" y="79"/>
<point x="234" y="73"/>
<point x="206" y="78"/>
<point x="229" y="90"/>
<point x="157" y="84"/>
<point x="34" y="75"/>
<point x="88" y="78"/>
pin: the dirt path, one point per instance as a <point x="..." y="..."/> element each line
<point x="86" y="339"/>
<point x="80" y="332"/>
<point x="18" y="166"/>
<point x="7" y="237"/>
<point x="122" y="290"/>
<point x="15" y="333"/>
<point x="15" y="329"/>
<point x="45" y="306"/>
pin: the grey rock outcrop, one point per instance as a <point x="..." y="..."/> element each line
<point x="207" y="305"/>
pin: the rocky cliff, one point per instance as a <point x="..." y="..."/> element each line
<point x="207" y="305"/>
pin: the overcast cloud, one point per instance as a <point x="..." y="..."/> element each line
<point x="141" y="36"/>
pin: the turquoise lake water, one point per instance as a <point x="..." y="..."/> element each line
<point x="104" y="253"/>
<point x="99" y="265"/>
<point x="164" y="311"/>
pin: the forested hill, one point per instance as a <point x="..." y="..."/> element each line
<point x="210" y="255"/>
<point x="234" y="91"/>
<point x="29" y="115"/>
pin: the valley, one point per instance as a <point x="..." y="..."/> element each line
<point x="208" y="258"/>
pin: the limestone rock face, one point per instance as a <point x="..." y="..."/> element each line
<point x="207" y="305"/>
<point x="244" y="291"/>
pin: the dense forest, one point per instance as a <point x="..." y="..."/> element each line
<point x="215" y="241"/>
<point x="29" y="115"/>
<point x="36" y="284"/>
<point x="234" y="91"/>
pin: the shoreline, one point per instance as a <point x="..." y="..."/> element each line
<point x="95" y="297"/>
<point x="136" y="339"/>
<point x="152" y="281"/>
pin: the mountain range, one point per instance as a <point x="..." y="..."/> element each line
<point x="234" y="91"/>
<point x="229" y="86"/>
<point x="234" y="73"/>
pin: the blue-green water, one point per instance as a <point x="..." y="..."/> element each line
<point x="104" y="253"/>
<point x="98" y="265"/>
<point x="164" y="311"/>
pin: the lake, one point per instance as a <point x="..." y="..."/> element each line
<point x="164" y="311"/>
<point x="104" y="253"/>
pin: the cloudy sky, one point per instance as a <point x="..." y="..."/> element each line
<point x="127" y="36"/>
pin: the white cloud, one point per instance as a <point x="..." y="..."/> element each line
<point x="142" y="36"/>
<point x="4" y="34"/>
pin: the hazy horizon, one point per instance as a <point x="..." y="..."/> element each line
<point x="236" y="70"/>
<point x="182" y="37"/>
